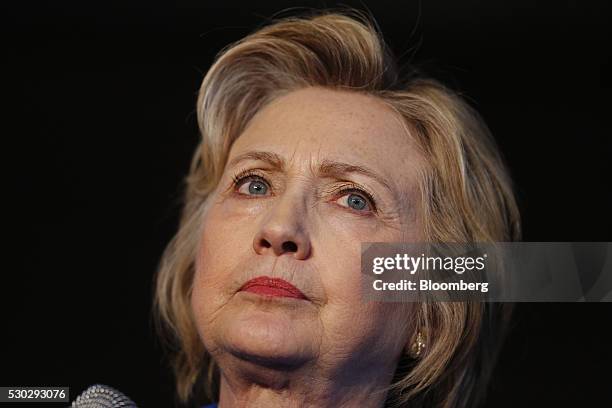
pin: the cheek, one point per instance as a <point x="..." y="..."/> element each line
<point x="223" y="243"/>
<point x="340" y="243"/>
<point x="346" y="312"/>
<point x="341" y="275"/>
<point x="223" y="239"/>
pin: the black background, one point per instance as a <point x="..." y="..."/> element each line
<point x="99" y="128"/>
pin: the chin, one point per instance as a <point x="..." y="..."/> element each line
<point x="268" y="336"/>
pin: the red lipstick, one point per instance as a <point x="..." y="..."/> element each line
<point x="264" y="285"/>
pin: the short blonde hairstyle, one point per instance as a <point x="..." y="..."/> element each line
<point x="466" y="192"/>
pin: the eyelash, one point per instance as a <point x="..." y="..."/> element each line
<point x="246" y="175"/>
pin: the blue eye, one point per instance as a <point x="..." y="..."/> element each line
<point x="354" y="201"/>
<point x="252" y="186"/>
<point x="257" y="187"/>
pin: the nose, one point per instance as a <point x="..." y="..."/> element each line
<point x="283" y="231"/>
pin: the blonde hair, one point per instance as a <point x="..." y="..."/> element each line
<point x="466" y="192"/>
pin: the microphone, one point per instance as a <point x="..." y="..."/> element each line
<point x="102" y="396"/>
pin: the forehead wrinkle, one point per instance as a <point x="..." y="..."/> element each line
<point x="295" y="150"/>
<point x="315" y="159"/>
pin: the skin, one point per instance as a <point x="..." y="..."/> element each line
<point x="296" y="222"/>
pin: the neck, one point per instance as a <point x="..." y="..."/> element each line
<point x="253" y="386"/>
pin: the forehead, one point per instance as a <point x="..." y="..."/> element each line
<point x="315" y="124"/>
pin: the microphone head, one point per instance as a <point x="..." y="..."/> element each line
<point x="102" y="396"/>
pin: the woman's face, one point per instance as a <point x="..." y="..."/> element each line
<point x="316" y="173"/>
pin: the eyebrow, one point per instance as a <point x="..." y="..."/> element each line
<point x="328" y="168"/>
<point x="272" y="159"/>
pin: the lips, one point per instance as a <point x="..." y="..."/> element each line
<point x="266" y="286"/>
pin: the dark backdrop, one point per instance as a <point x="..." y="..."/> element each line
<point x="99" y="128"/>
